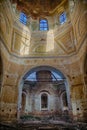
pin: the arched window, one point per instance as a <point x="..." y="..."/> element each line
<point x="64" y="98"/>
<point x="43" y="25"/>
<point x="23" y="18"/>
<point x="62" y="18"/>
<point x="23" y="101"/>
<point x="44" y="101"/>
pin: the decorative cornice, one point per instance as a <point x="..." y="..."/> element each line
<point x="45" y="57"/>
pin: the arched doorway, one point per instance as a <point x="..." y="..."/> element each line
<point x="44" y="86"/>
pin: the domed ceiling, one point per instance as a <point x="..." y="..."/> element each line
<point x="37" y="8"/>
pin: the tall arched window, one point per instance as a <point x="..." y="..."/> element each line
<point x="62" y="18"/>
<point x="44" y="101"/>
<point x="23" y="101"/>
<point x="43" y="25"/>
<point x="64" y="98"/>
<point x="23" y="18"/>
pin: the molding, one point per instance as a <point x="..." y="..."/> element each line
<point x="46" y="57"/>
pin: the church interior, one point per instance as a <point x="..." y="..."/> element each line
<point x="43" y="64"/>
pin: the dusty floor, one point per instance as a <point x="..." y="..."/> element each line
<point x="42" y="126"/>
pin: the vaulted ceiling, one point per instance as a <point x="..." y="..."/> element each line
<point x="29" y="41"/>
<point x="37" y="8"/>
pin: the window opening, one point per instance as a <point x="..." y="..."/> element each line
<point x="43" y="25"/>
<point x="23" y="18"/>
<point x="62" y="18"/>
<point x="44" y="101"/>
<point x="65" y="99"/>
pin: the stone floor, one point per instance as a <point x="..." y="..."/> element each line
<point x="58" y="125"/>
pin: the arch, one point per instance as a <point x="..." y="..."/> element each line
<point x="44" y="101"/>
<point x="64" y="100"/>
<point x="23" y="101"/>
<point x="43" y="24"/>
<point x="44" y="67"/>
<point x="49" y="68"/>
<point x="37" y="69"/>
<point x="62" y="18"/>
<point x="23" y="18"/>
